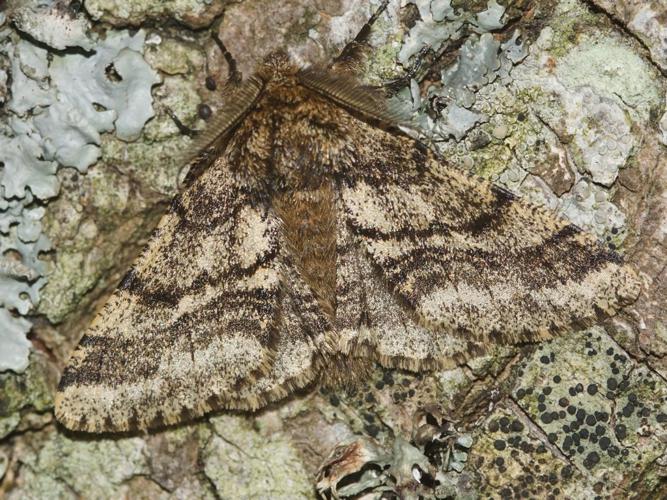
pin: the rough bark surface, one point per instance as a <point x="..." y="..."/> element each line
<point x="562" y="101"/>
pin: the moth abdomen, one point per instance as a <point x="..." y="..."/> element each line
<point x="309" y="227"/>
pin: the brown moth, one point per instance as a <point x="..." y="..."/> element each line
<point x="317" y="233"/>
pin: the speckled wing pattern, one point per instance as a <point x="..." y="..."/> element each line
<point x="314" y="241"/>
<point x="465" y="258"/>
<point x="205" y="319"/>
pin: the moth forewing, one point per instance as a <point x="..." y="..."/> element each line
<point x="318" y="235"/>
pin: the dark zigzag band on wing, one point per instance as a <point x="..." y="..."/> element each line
<point x="193" y="333"/>
<point x="299" y="352"/>
<point x="371" y="322"/>
<point x="468" y="258"/>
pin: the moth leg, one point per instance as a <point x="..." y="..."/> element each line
<point x="233" y="74"/>
<point x="182" y="127"/>
<point x="393" y="86"/>
<point x="353" y="52"/>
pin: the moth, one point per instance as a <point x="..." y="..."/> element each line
<point x="317" y="233"/>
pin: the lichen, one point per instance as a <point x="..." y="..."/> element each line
<point x="15" y="345"/>
<point x="59" y="26"/>
<point x="69" y="468"/>
<point x="55" y="121"/>
<point x="194" y="13"/>
<point x="240" y="461"/>
<point x="610" y="67"/>
<point x="646" y="21"/>
<point x="604" y="414"/>
<point x="31" y="391"/>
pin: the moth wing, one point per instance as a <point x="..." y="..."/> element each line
<point x="463" y="258"/>
<point x="297" y="352"/>
<point x="199" y="322"/>
<point x="374" y="323"/>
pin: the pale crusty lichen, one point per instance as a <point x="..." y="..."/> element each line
<point x="58" y="106"/>
<point x="604" y="415"/>
<point x="194" y="13"/>
<point x="240" y="462"/>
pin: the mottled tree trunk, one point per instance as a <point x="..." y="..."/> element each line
<point x="560" y="101"/>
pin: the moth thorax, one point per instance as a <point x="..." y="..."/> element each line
<point x="277" y="68"/>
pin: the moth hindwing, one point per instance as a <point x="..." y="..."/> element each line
<point x="317" y="234"/>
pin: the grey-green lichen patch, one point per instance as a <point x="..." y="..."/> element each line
<point x="603" y="141"/>
<point x="98" y="213"/>
<point x="427" y="465"/>
<point x="93" y="219"/>
<point x="154" y="166"/>
<point x="172" y="56"/>
<point x="166" y="465"/>
<point x="180" y="96"/>
<point x="569" y="21"/>
<point x="58" y="105"/>
<point x="194" y="13"/>
<point x="601" y="409"/>
<point x="589" y="131"/>
<point x="559" y="134"/>
<point x="430" y="30"/>
<point x="57" y="24"/>
<point x="64" y="467"/>
<point x="606" y="63"/>
<point x="117" y="79"/>
<point x="31" y="391"/>
<point x="242" y="462"/>
<point x="406" y="420"/>
<point x="482" y="59"/>
<point x="476" y="67"/>
<point x="384" y="405"/>
<point x="361" y="467"/>
<point x="381" y="63"/>
<point x="13" y="331"/>
<point x="589" y="206"/>
<point x="174" y="461"/>
<point x="440" y="22"/>
<point x="646" y="20"/>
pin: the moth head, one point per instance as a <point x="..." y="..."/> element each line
<point x="278" y="68"/>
